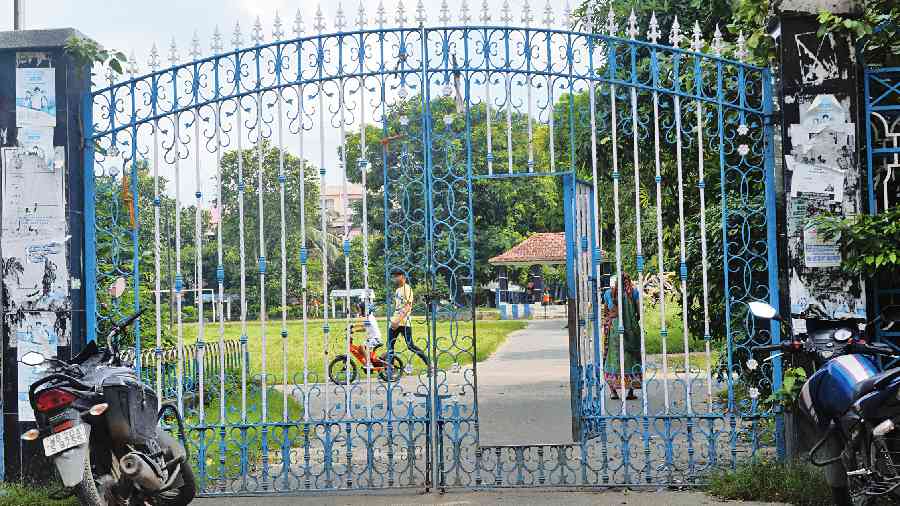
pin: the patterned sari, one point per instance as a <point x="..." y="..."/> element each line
<point x="631" y="349"/>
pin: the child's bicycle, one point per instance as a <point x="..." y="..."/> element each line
<point x="340" y="374"/>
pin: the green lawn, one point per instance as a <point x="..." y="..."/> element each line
<point x="454" y="344"/>
<point x="13" y="494"/>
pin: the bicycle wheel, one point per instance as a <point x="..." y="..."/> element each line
<point x="338" y="371"/>
<point x="393" y="373"/>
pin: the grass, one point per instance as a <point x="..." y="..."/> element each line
<point x="454" y="344"/>
<point x="771" y="481"/>
<point x="14" y="494"/>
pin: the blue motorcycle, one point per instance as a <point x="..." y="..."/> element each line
<point x="852" y="406"/>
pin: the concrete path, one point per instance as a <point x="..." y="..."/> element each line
<point x="523" y="388"/>
<point x="507" y="497"/>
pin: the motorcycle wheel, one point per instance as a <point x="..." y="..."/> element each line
<point x="91" y="492"/>
<point x="396" y="369"/>
<point x="339" y="373"/>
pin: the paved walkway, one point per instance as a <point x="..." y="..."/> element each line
<point x="508" y="497"/>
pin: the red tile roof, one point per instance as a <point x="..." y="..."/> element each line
<point x="542" y="248"/>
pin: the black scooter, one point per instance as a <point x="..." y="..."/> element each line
<point x="850" y="405"/>
<point x="99" y="425"/>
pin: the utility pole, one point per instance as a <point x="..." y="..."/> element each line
<point x="18" y="14"/>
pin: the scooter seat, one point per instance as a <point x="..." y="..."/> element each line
<point x="876" y="382"/>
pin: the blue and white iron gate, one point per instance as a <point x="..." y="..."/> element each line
<point x="191" y="161"/>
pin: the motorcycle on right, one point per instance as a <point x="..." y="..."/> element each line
<point x="853" y="407"/>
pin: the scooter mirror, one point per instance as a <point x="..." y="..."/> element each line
<point x="763" y="310"/>
<point x="32" y="358"/>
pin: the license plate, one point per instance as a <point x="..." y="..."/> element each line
<point x="66" y="439"/>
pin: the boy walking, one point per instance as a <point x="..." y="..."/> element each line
<point x="401" y="321"/>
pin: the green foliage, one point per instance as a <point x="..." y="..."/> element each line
<point x="772" y="481"/>
<point x="86" y="53"/>
<point x="876" y="32"/>
<point x="12" y="494"/>
<point x="870" y="243"/>
<point x="791" y="383"/>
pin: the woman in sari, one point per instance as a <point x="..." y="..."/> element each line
<point x="631" y="376"/>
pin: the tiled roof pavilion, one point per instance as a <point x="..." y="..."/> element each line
<point x="547" y="248"/>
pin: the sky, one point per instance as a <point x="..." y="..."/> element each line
<point x="133" y="26"/>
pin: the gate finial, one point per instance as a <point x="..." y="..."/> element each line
<point x="485" y="13"/>
<point x="567" y="16"/>
<point x="675" y="36"/>
<point x="237" y="40"/>
<point x="464" y="17"/>
<point x="154" y="58"/>
<point x="611" y="26"/>
<point x="361" y="16"/>
<point x="741" y="51"/>
<point x="256" y="35"/>
<point x="319" y="25"/>
<point x="195" y="46"/>
<point x="444" y="18"/>
<point x="505" y="13"/>
<point x="277" y="32"/>
<point x="421" y="17"/>
<point x="132" y="64"/>
<point x="548" y="15"/>
<point x="717" y="42"/>
<point x="173" y="53"/>
<point x="632" y="26"/>
<point x="399" y="17"/>
<point x="216" y="45"/>
<point x="298" y="24"/>
<point x="653" y="29"/>
<point x="340" y="20"/>
<point x="697" y="39"/>
<point x="527" y="18"/>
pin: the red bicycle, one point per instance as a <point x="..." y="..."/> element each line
<point x="342" y="371"/>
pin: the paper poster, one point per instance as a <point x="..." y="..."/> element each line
<point x="808" y="178"/>
<point x="36" y="332"/>
<point x="818" y="252"/>
<point x="33" y="199"/>
<point x="38" y="143"/>
<point x="36" y="97"/>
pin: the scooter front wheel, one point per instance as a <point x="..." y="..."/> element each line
<point x="340" y="373"/>
<point x="392" y="373"/>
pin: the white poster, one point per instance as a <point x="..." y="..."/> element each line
<point x="38" y="143"/>
<point x="33" y="199"/>
<point x="36" y="97"/>
<point x="808" y="178"/>
<point x="817" y="252"/>
<point x="36" y="332"/>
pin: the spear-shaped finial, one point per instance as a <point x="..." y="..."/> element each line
<point x="195" y="46"/>
<point x="237" y="39"/>
<point x="216" y="45"/>
<point x="717" y="42"/>
<point x="173" y="53"/>
<point x="361" y="16"/>
<point x="319" y="25"/>
<point x="298" y="24"/>
<point x="633" y="31"/>
<point x="741" y="50"/>
<point x="153" y="63"/>
<point x="277" y="28"/>
<point x="549" y="18"/>
<point x="444" y="17"/>
<point x="612" y="27"/>
<point x="340" y="21"/>
<point x="421" y="16"/>
<point x="132" y="66"/>
<point x="567" y="15"/>
<point x="696" y="38"/>
<point x="675" y="36"/>
<point x="399" y="17"/>
<point x="505" y="13"/>
<point x="527" y="18"/>
<point x="485" y="12"/>
<point x="256" y="35"/>
<point x="653" y="29"/>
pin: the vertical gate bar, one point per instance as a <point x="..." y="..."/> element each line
<point x="263" y="311"/>
<point x="304" y="251"/>
<point x="279" y="109"/>
<point x="772" y="239"/>
<point x="90" y="220"/>
<point x="551" y="116"/>
<point x="682" y="255"/>
<point x="363" y="165"/>
<point x="704" y="259"/>
<point x="156" y="252"/>
<point x="179" y="280"/>
<point x="660" y="275"/>
<point x="345" y="209"/>
<point x="595" y="222"/>
<point x="529" y="81"/>
<point x="620" y="277"/>
<point x="220" y="273"/>
<point x="870" y="186"/>
<point x="200" y="356"/>
<point x="507" y="88"/>
<point x="135" y="226"/>
<point x="323" y="231"/>
<point x="720" y="100"/>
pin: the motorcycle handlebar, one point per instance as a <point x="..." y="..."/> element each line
<point x="769" y="347"/>
<point x="128" y="321"/>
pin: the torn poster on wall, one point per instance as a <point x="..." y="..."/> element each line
<point x="41" y="333"/>
<point x="822" y="180"/>
<point x="35" y="97"/>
